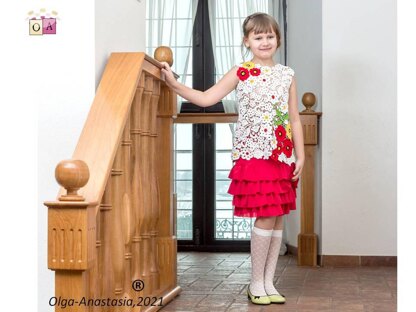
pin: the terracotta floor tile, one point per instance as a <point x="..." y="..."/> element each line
<point x="218" y="282"/>
<point x="280" y="307"/>
<point x="243" y="270"/>
<point x="218" y="255"/>
<point x="210" y="262"/>
<point x="387" y="306"/>
<point x="315" y="292"/>
<point x="375" y="294"/>
<point x="240" y="276"/>
<point x="206" y="283"/>
<point x="227" y="288"/>
<point x="188" y="275"/>
<point x="351" y="305"/>
<point x="237" y="307"/>
<point x="220" y="272"/>
<point x="312" y="300"/>
<point x="183" y="303"/>
<point x="216" y="301"/>
<point x="327" y="285"/>
<point x="184" y="280"/>
<point x="234" y="264"/>
<point x="199" y="270"/>
<point x="238" y="256"/>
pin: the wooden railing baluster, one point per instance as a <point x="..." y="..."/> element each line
<point x="137" y="189"/>
<point x="146" y="187"/>
<point x="154" y="219"/>
<point x="128" y="212"/>
<point x="116" y="238"/>
<point x="106" y="280"/>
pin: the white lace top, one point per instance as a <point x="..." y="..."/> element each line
<point x="263" y="128"/>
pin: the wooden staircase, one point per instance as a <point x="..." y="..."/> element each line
<point x="111" y="235"/>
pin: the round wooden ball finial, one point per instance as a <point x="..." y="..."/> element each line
<point x="164" y="54"/>
<point x="308" y="100"/>
<point x="72" y="175"/>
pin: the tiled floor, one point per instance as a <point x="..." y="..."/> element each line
<point x="217" y="282"/>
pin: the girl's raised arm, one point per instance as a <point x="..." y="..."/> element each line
<point x="203" y="98"/>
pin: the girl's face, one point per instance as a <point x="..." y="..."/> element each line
<point x="263" y="45"/>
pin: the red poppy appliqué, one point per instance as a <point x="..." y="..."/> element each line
<point x="280" y="133"/>
<point x="243" y="73"/>
<point x="255" y="71"/>
<point x="287" y="147"/>
<point x="284" y="144"/>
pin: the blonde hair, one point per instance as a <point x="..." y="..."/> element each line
<point x="259" y="23"/>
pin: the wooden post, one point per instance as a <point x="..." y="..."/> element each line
<point x="71" y="234"/>
<point x="166" y="240"/>
<point x="307" y="239"/>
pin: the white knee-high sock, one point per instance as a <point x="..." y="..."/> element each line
<point x="270" y="267"/>
<point x="260" y="241"/>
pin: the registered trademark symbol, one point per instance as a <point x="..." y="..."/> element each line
<point x="137" y="285"/>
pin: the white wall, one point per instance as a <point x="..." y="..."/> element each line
<point x="305" y="57"/>
<point x="359" y="127"/>
<point x="119" y="27"/>
<point x="69" y="66"/>
<point x="346" y="54"/>
<point x="66" y="68"/>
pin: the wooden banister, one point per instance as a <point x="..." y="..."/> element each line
<point x="111" y="227"/>
<point x="307" y="238"/>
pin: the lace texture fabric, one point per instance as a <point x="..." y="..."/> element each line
<point x="263" y="128"/>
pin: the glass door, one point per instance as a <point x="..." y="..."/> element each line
<point x="183" y="181"/>
<point x="205" y="220"/>
<point x="227" y="227"/>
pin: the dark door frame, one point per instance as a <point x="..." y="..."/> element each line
<point x="203" y="193"/>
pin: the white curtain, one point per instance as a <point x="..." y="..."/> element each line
<point x="170" y="23"/>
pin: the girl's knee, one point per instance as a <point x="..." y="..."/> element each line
<point x="266" y="223"/>
<point x="279" y="223"/>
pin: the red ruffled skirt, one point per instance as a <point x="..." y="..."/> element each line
<point x="262" y="188"/>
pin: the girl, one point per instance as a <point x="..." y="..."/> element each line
<point x="266" y="171"/>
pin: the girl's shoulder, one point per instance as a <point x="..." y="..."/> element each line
<point x="287" y="70"/>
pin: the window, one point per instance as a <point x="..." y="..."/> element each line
<point x="183" y="180"/>
<point x="227" y="227"/>
<point x="169" y="23"/>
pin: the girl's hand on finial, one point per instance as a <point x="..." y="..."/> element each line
<point x="298" y="169"/>
<point x="169" y="77"/>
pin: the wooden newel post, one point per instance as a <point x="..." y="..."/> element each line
<point x="71" y="234"/>
<point x="307" y="239"/>
<point x="166" y="239"/>
<point x="164" y="54"/>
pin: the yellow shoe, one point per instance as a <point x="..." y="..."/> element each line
<point x="257" y="299"/>
<point x="277" y="299"/>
